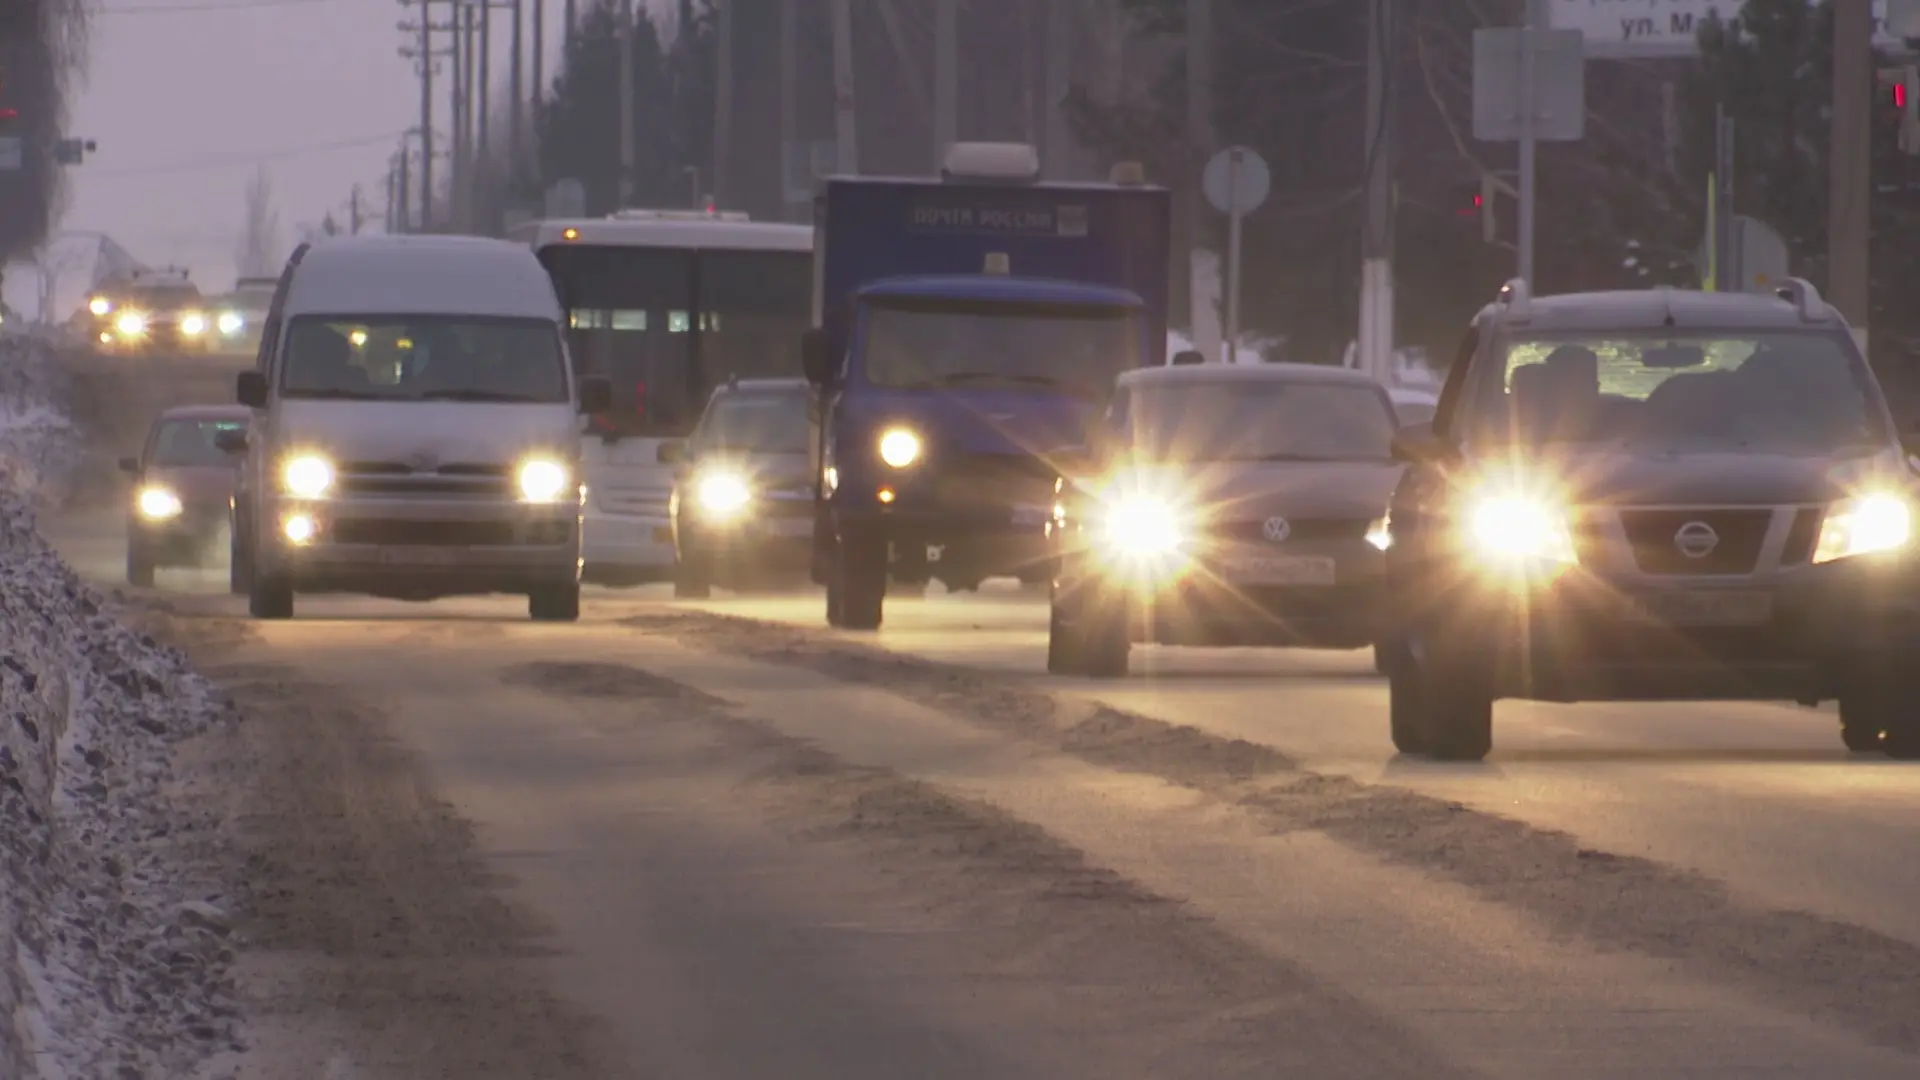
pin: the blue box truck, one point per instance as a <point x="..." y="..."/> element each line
<point x="967" y="330"/>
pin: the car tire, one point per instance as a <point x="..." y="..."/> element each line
<point x="555" y="603"/>
<point x="139" y="566"/>
<point x="269" y="597"/>
<point x="1442" y="703"/>
<point x="239" y="569"/>
<point x="1878" y="714"/>
<point x="860" y="581"/>
<point x="692" y="579"/>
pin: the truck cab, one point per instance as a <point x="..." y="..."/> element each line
<point x="968" y="330"/>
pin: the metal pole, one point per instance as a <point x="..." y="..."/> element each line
<point x="626" y="104"/>
<point x="1201" y="317"/>
<point x="1373" y="347"/>
<point x="946" y="79"/>
<point x="1529" y="122"/>
<point x="1850" y="184"/>
<point x="1234" y="164"/>
<point x="844" y="113"/>
<point x="403" y="217"/>
<point x="1059" y="82"/>
<point x="789" y="105"/>
<point x="426" y="115"/>
<point x="483" y="158"/>
<point x="516" y="107"/>
<point x="1726" y="225"/>
<point x="572" y="17"/>
<point x="723" y="108"/>
<point x="538" y="94"/>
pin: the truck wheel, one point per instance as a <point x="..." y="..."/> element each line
<point x="1440" y="705"/>
<point x="859" y="581"/>
<point x="692" y="578"/>
<point x="270" y="597"/>
<point x="139" y="565"/>
<point x="555" y="603"/>
<point x="239" y="568"/>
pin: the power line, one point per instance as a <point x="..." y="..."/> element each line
<point x="223" y="5"/>
<point x="254" y="158"/>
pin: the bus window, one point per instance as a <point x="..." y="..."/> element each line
<point x="622" y="305"/>
<point x="754" y="305"/>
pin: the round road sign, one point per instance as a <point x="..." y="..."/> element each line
<point x="1250" y="180"/>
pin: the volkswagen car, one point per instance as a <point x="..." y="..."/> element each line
<point x="742" y="502"/>
<point x="1228" y="504"/>
<point x="1650" y="496"/>
<point x="183" y="483"/>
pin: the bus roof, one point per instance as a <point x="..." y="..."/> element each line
<point x="662" y="232"/>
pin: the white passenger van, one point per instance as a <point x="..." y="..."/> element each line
<point x="668" y="305"/>
<point x="416" y="429"/>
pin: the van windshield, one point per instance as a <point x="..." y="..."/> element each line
<point x="424" y="358"/>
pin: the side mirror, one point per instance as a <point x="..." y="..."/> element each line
<point x="130" y="466"/>
<point x="231" y="441"/>
<point x="1416" y="444"/>
<point x="1188" y="357"/>
<point x="596" y="395"/>
<point x="670" y="452"/>
<point x="815" y="359"/>
<point x="250" y="389"/>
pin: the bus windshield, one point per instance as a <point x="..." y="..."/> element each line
<point x="667" y="325"/>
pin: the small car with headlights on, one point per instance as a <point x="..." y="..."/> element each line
<point x="1228" y="504"/>
<point x="1650" y="496"/>
<point x="183" y="482"/>
<point x="417" y="430"/>
<point x="156" y="312"/>
<point x="742" y="502"/>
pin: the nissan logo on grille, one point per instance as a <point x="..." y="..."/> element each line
<point x="1696" y="539"/>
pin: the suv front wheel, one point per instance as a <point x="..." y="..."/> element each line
<point x="1441" y="703"/>
<point x="1879" y="713"/>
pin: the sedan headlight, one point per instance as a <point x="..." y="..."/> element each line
<point x="158" y="504"/>
<point x="131" y="323"/>
<point x="231" y="323"/>
<point x="722" y="494"/>
<point x="1511" y="527"/>
<point x="307" y="476"/>
<point x="193" y="324"/>
<point x="542" y="480"/>
<point x="899" y="447"/>
<point x="1863" y="526"/>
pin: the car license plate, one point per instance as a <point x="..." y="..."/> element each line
<point x="1707" y="607"/>
<point x="418" y="556"/>
<point x="1279" y="569"/>
<point x="663" y="534"/>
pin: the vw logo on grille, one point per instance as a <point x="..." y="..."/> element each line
<point x="1696" y="539"/>
<point x="1276" y="529"/>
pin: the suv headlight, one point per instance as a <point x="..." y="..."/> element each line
<point x="1865" y="525"/>
<point x="307" y="476"/>
<point x="131" y="323"/>
<point x="1508" y="527"/>
<point x="158" y="504"/>
<point x="542" y="480"/>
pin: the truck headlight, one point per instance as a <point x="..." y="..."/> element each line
<point x="542" y="480"/>
<point x="722" y="494"/>
<point x="158" y="504"/>
<point x="1865" y="525"/>
<point x="899" y="447"/>
<point x="131" y="323"/>
<point x="193" y="324"/>
<point x="1504" y="528"/>
<point x="307" y="476"/>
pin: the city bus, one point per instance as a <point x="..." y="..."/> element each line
<point x="668" y="305"/>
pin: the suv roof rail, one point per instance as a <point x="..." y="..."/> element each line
<point x="1516" y="295"/>
<point x="1801" y="294"/>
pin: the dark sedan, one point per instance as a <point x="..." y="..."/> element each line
<point x="182" y="489"/>
<point x="742" y="503"/>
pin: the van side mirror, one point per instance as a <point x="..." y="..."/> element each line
<point x="1416" y="444"/>
<point x="231" y="440"/>
<point x="130" y="466"/>
<point x="815" y="359"/>
<point x="596" y="395"/>
<point x="670" y="452"/>
<point x="250" y="389"/>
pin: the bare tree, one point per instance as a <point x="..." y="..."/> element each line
<point x="259" y="253"/>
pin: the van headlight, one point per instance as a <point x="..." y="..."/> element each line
<point x="1508" y="527"/>
<point x="899" y="447"/>
<point x="1865" y="525"/>
<point x="1142" y="526"/>
<point x="542" y="480"/>
<point x="158" y="504"/>
<point x="307" y="476"/>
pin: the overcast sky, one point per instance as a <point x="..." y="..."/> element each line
<point x="188" y="97"/>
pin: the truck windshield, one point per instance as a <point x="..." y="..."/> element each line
<point x="1247" y="420"/>
<point x="424" y="358"/>
<point x="915" y="344"/>
<point x="1777" y="392"/>
<point x="667" y="325"/>
<point x="755" y="423"/>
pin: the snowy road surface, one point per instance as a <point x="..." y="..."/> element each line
<point x="705" y="847"/>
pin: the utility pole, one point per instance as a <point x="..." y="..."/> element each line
<point x="483" y="160"/>
<point x="789" y="100"/>
<point x="1537" y="18"/>
<point x="625" y="32"/>
<point x="723" y="109"/>
<point x="353" y="211"/>
<point x="1200" y="314"/>
<point x="1851" y="155"/>
<point x="515" y="107"/>
<point x="426" y="115"/>
<point x="403" y="217"/>
<point x="539" y="91"/>
<point x="1374" y="347"/>
<point x="1058" y="157"/>
<point x="844" y="113"/>
<point x="462" y="107"/>
<point x="946" y="79"/>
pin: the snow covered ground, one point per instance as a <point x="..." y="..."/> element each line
<point x="116" y="939"/>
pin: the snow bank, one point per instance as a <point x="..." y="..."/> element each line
<point x="114" y="943"/>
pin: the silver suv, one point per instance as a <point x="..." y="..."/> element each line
<point x="1654" y="495"/>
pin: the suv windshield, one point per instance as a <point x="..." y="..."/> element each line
<point x="1781" y="392"/>
<point x="1247" y="420"/>
<point x="163" y="296"/>
<point x="927" y="345"/>
<point x="190" y="442"/>
<point x="424" y="358"/>
<point x="756" y="423"/>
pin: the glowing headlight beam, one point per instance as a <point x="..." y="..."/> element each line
<point x="1142" y="526"/>
<point x="231" y="323"/>
<point x="899" y="447"/>
<point x="723" y="494"/>
<point x="542" y="481"/>
<point x="157" y="503"/>
<point x="193" y="324"/>
<point x="131" y="323"/>
<point x="1866" y="525"/>
<point x="1512" y="527"/>
<point x="307" y="476"/>
<point x="99" y="305"/>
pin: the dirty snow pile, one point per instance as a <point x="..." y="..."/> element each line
<point x="114" y="936"/>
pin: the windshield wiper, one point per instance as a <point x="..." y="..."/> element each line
<point x="475" y="395"/>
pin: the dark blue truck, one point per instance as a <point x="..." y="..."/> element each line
<point x="967" y="330"/>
